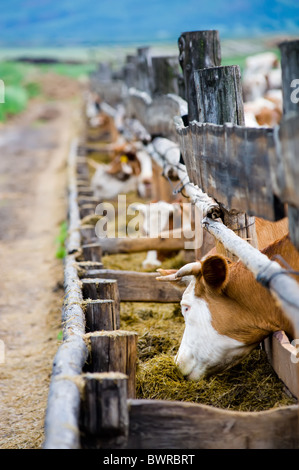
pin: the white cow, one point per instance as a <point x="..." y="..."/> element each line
<point x="262" y="72"/>
<point x="130" y="170"/>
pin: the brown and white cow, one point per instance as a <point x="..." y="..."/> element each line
<point x="227" y="312"/>
<point x="263" y="111"/>
<point x="129" y="170"/>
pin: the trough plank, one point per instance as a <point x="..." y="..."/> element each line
<point x="139" y="287"/>
<point x="159" y="424"/>
<point x="134" y="245"/>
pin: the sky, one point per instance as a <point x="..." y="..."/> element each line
<point x="103" y="22"/>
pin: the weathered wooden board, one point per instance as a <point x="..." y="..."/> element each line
<point x="114" y="351"/>
<point x="134" y="245"/>
<point x="159" y="424"/>
<point x="231" y="164"/>
<point x="197" y="50"/>
<point x="156" y="114"/>
<point x="112" y="91"/>
<point x="139" y="287"/>
<point x="104" y="410"/>
<point x="219" y="95"/>
<point x="165" y="70"/>
<point x="284" y="161"/>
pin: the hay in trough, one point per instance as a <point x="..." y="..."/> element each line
<point x="133" y="262"/>
<point x="251" y="385"/>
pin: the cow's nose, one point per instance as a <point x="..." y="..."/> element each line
<point x="185" y="363"/>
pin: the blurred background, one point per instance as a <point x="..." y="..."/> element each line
<point x="70" y="37"/>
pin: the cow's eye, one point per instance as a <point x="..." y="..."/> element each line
<point x="185" y="309"/>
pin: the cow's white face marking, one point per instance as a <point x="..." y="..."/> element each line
<point x="202" y="347"/>
<point x="107" y="187"/>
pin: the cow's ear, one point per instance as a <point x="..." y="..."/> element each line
<point x="215" y="271"/>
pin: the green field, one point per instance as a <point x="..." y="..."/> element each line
<point x="21" y="78"/>
<point x="21" y="82"/>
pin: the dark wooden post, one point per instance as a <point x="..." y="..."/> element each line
<point x="82" y="167"/>
<point x="87" y="234"/>
<point x="92" y="252"/>
<point x="219" y="95"/>
<point x="115" y="351"/>
<point x="103" y="289"/>
<point x="290" y="74"/>
<point x="85" y="191"/>
<point x="165" y="75"/>
<point x="83" y="267"/>
<point x="130" y="71"/>
<point x="101" y="314"/>
<point x="86" y="209"/>
<point x="197" y="50"/>
<point x="104" y="413"/>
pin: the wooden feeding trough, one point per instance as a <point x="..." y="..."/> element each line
<point x="92" y="401"/>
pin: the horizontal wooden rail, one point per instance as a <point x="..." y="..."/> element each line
<point x="112" y="245"/>
<point x="63" y="408"/>
<point x="232" y="164"/>
<point x="138" y="287"/>
<point x="158" y="424"/>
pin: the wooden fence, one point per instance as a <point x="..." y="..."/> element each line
<point x="232" y="173"/>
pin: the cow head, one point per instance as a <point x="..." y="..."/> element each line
<point x="206" y="346"/>
<point x="124" y="166"/>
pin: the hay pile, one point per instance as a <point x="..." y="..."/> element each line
<point x="251" y="385"/>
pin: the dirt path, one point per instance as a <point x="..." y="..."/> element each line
<point x="33" y="153"/>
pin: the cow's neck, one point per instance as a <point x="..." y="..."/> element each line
<point x="246" y="310"/>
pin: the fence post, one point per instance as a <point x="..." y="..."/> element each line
<point x="144" y="69"/>
<point x="114" y="351"/>
<point x="130" y="71"/>
<point x="219" y="100"/>
<point x="219" y="95"/>
<point x="290" y="78"/>
<point x="165" y="75"/>
<point x="104" y="409"/>
<point x="197" y="50"/>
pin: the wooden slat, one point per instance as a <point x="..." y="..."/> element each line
<point x="139" y="287"/>
<point x="198" y="50"/>
<point x="165" y="71"/>
<point x="159" y="424"/>
<point x="284" y="161"/>
<point x="135" y="245"/>
<point x="110" y="91"/>
<point x="219" y="95"/>
<point x="156" y="114"/>
<point x="230" y="164"/>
